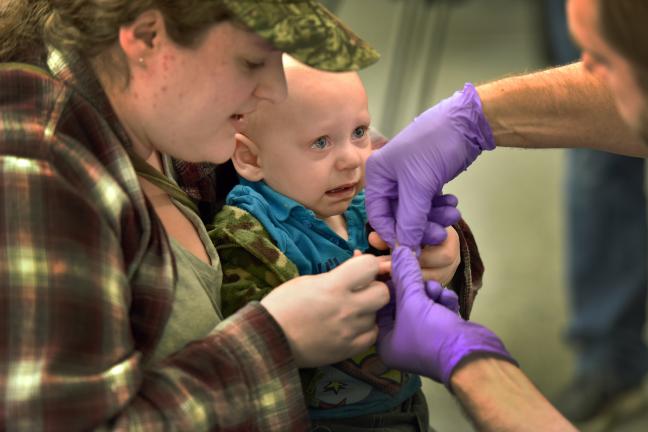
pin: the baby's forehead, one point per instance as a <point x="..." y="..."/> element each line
<point x="298" y="75"/>
<point x="308" y="91"/>
<point x="310" y="87"/>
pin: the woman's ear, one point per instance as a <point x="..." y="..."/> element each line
<point x="141" y="38"/>
<point x="246" y="159"/>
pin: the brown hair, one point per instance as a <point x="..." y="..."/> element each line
<point x="90" y="27"/>
<point x="623" y="25"/>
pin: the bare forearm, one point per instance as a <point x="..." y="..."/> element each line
<point x="558" y="108"/>
<point x="499" y="397"/>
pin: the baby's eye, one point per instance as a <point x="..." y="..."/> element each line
<point x="320" y="143"/>
<point x="359" y="132"/>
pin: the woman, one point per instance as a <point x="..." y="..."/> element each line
<point x="107" y="272"/>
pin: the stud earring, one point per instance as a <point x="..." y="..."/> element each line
<point x="141" y="61"/>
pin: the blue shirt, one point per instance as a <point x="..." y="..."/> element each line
<point x="305" y="239"/>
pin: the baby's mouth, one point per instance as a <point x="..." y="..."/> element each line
<point x="342" y="189"/>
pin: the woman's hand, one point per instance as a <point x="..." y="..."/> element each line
<point x="438" y="262"/>
<point x="331" y="316"/>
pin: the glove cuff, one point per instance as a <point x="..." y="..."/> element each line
<point x="473" y="339"/>
<point x="479" y="132"/>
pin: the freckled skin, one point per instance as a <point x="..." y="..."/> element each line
<point x="192" y="118"/>
<point x="168" y="58"/>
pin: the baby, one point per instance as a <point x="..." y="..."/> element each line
<point x="299" y="210"/>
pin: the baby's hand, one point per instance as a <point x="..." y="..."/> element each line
<point x="438" y="262"/>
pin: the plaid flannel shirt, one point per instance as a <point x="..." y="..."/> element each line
<point x="87" y="282"/>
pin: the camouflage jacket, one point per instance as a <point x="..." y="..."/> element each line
<point x="253" y="265"/>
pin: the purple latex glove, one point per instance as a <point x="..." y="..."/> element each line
<point x="404" y="176"/>
<point x="442" y="214"/>
<point x="433" y="289"/>
<point x="427" y="337"/>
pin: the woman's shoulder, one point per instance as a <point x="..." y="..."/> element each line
<point x="28" y="96"/>
<point x="45" y="118"/>
<point x="37" y="107"/>
<point x="32" y="102"/>
<point x="47" y="123"/>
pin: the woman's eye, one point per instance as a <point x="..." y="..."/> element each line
<point x="320" y="143"/>
<point x="359" y="132"/>
<point x="253" y="65"/>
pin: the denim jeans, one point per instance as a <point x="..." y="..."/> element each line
<point x="606" y="264"/>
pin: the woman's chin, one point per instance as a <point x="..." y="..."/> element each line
<point x="222" y="149"/>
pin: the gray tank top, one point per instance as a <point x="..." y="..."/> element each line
<point x="196" y="307"/>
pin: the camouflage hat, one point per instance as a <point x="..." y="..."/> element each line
<point x="307" y="31"/>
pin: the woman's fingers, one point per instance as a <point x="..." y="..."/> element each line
<point x="356" y="273"/>
<point x="371" y="298"/>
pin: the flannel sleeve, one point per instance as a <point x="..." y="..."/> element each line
<point x="68" y="351"/>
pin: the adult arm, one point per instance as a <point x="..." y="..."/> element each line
<point x="497" y="396"/>
<point x="563" y="107"/>
<point x="428" y="337"/>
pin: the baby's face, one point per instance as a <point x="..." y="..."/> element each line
<point x="316" y="147"/>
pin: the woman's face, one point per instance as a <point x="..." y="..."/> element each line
<point x="184" y="101"/>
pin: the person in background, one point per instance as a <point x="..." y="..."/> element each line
<point x="607" y="238"/>
<point x="601" y="103"/>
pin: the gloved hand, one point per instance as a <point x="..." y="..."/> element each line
<point x="404" y="176"/>
<point x="386" y="315"/>
<point x="443" y="213"/>
<point x="427" y="337"/>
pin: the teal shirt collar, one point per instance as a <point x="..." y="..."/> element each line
<point x="305" y="239"/>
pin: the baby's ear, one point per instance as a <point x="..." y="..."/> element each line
<point x="246" y="159"/>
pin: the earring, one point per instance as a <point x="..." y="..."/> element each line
<point x="141" y="61"/>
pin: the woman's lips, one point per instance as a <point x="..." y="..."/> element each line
<point x="237" y="121"/>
